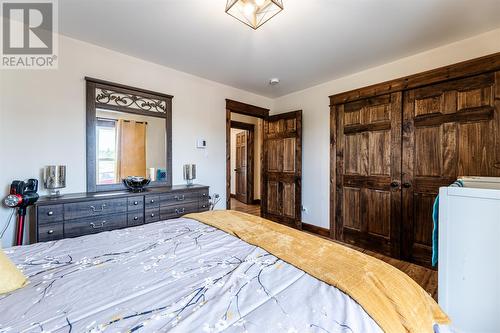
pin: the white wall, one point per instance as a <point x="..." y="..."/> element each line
<point x="42" y="116"/>
<point x="315" y="104"/>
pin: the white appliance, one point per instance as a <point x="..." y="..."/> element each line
<point x="469" y="254"/>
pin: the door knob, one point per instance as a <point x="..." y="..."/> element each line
<point x="406" y="185"/>
<point x="394" y="184"/>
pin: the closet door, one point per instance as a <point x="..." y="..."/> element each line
<point x="368" y="190"/>
<point x="449" y="130"/>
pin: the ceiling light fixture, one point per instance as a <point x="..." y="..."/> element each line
<point x="274" y="81"/>
<point x="253" y="13"/>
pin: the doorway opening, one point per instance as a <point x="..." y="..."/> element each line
<point x="264" y="162"/>
<point x="245" y="159"/>
<point x="244" y="144"/>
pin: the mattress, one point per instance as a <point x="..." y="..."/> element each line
<point x="177" y="275"/>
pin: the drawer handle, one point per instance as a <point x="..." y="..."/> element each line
<point x="152" y="201"/>
<point x="50" y="213"/>
<point x="136" y="218"/>
<point x="180" y="211"/>
<point x="95" y="210"/>
<point x="204" y="206"/>
<point x="179" y="198"/>
<point x="152" y="214"/>
<point x="136" y="203"/>
<point x="50" y="232"/>
<point x="95" y="226"/>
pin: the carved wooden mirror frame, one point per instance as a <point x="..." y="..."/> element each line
<point x="112" y="96"/>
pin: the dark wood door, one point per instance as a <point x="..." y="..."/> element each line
<point x="368" y="191"/>
<point x="449" y="130"/>
<point x="241" y="167"/>
<point x="282" y="169"/>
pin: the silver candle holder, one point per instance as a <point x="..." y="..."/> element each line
<point x="189" y="173"/>
<point x="54" y="178"/>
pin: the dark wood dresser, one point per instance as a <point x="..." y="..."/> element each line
<point x="73" y="215"/>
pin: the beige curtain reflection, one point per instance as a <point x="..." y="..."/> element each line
<point x="131" y="149"/>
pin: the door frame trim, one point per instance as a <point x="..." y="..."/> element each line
<point x="247" y="110"/>
<point x="250" y="157"/>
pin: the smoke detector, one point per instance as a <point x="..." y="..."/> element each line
<point x="274" y="81"/>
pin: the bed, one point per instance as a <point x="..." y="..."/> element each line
<point x="178" y="275"/>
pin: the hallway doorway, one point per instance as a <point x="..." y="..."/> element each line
<point x="245" y="160"/>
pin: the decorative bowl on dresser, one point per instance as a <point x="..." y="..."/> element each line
<point x="79" y="214"/>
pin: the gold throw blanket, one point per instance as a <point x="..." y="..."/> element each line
<point x="390" y="297"/>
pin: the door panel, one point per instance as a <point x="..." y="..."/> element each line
<point x="449" y="130"/>
<point x="368" y="184"/>
<point x="241" y="167"/>
<point x="282" y="169"/>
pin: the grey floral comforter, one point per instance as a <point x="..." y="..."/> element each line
<point x="178" y="276"/>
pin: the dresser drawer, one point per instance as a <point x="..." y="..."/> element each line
<point x="152" y="215"/>
<point x="50" y="232"/>
<point x="94" y="208"/>
<point x="152" y="201"/>
<point x="135" y="203"/>
<point x="94" y="224"/>
<point x="171" y="212"/>
<point x="50" y="214"/>
<point x="203" y="195"/>
<point x="135" y="218"/>
<point x="178" y="198"/>
<point x="203" y="206"/>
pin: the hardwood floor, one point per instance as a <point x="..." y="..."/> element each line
<point x="241" y="207"/>
<point x="426" y="278"/>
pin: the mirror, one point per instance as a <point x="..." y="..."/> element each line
<point x="129" y="145"/>
<point x="129" y="133"/>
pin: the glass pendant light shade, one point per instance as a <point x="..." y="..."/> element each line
<point x="254" y="13"/>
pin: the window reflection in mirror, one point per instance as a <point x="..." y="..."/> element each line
<point x="129" y="145"/>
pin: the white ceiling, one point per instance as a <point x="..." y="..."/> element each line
<point x="310" y="42"/>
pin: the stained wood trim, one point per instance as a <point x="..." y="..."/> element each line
<point x="228" y="159"/>
<point x="250" y="165"/>
<point x="333" y="173"/>
<point x="463" y="69"/>
<point x="130" y="88"/>
<point x="246" y="109"/>
<point x="242" y="125"/>
<point x="316" y="230"/>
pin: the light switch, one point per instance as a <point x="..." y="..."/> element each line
<point x="201" y="143"/>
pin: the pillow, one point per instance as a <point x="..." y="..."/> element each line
<point x="11" y="278"/>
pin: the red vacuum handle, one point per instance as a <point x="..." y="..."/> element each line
<point x="20" y="229"/>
